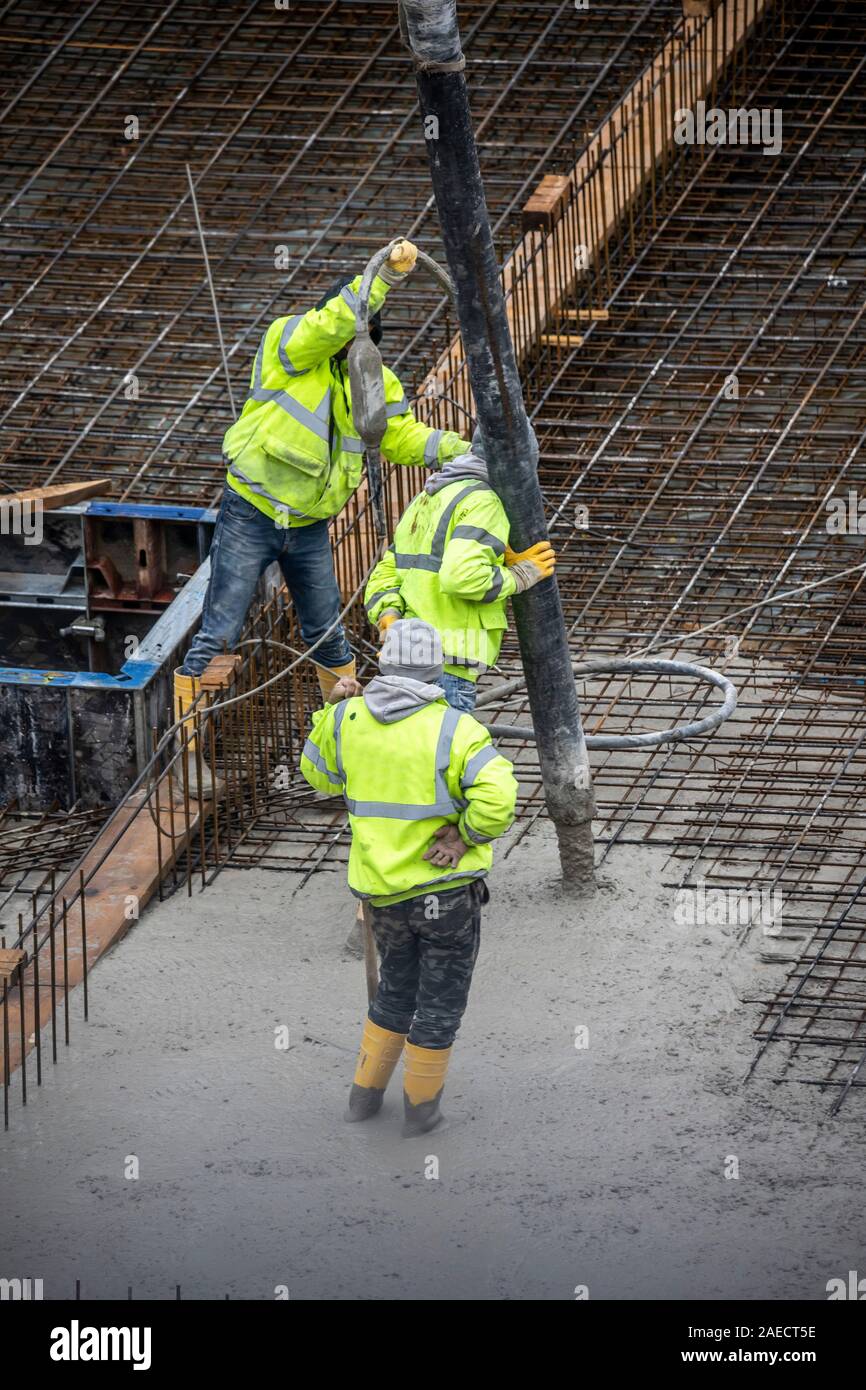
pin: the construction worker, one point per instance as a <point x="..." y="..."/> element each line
<point x="450" y="564"/>
<point x="294" y="458"/>
<point x="427" y="794"/>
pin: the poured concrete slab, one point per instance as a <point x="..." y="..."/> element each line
<point x="561" y="1167"/>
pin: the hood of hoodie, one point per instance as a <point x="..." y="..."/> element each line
<point x="390" y="698"/>
<point x="469" y="467"/>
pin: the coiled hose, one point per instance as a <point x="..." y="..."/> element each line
<point x="639" y="667"/>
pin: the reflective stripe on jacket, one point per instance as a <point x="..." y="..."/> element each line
<point x="294" y="451"/>
<point x="401" y="781"/>
<point x="447" y="567"/>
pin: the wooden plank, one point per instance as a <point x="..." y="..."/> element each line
<point x="544" y="205"/>
<point x="588" y="315"/>
<point x="560" y="339"/>
<point x="9" y="963"/>
<point x="699" y="9"/>
<point x="59" y="494"/>
<point x="221" y="671"/>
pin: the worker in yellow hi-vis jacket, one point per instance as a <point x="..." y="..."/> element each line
<point x="427" y="794"/>
<point x="294" y="458"/>
<point x="450" y="564"/>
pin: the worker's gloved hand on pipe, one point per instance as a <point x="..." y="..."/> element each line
<point x="541" y="552"/>
<point x="530" y="566"/>
<point x="344" y="689"/>
<point x="402" y="257"/>
<point x="447" y="848"/>
<point x="385" y="622"/>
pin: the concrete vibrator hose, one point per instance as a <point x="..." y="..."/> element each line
<point x="365" y="374"/>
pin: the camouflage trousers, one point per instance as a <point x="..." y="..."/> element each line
<point x="427" y="946"/>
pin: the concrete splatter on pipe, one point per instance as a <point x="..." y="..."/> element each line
<point x="433" y="36"/>
<point x="432" y="31"/>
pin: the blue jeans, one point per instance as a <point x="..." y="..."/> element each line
<point x="245" y="542"/>
<point x="459" y="692"/>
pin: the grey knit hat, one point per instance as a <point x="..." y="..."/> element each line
<point x="412" y="648"/>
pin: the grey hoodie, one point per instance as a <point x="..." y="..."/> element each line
<point x="470" y="467"/>
<point x="390" y="698"/>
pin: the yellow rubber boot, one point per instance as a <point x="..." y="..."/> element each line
<point x="379" y="1055"/>
<point x="186" y="691"/>
<point x="329" y="675"/>
<point x="423" y="1083"/>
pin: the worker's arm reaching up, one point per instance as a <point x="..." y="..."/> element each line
<point x="479" y="565"/>
<point x="296" y="343"/>
<point x="319" y="758"/>
<point x="382" y="598"/>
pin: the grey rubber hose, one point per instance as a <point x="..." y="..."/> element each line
<point x="680" y="734"/>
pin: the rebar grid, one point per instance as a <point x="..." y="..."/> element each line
<point x="34" y="846"/>
<point x="300" y="129"/>
<point x="251" y="732"/>
<point x="689" y="511"/>
<point x="685" y="500"/>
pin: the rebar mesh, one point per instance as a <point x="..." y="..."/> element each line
<point x="689" y="443"/>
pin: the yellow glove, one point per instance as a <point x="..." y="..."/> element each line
<point x="385" y="622"/>
<point x="542" y="555"/>
<point x="403" y="256"/>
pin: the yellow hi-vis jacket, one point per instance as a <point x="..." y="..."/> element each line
<point x="447" y="567"/>
<point x="294" y="451"/>
<point x="401" y="782"/>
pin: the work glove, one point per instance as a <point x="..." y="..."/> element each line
<point x="401" y="259"/>
<point x="385" y="622"/>
<point x="530" y="566"/>
<point x="447" y="849"/>
<point x="541" y="551"/>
